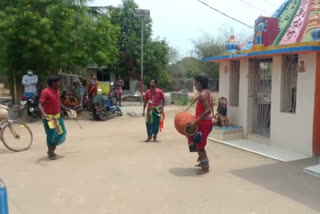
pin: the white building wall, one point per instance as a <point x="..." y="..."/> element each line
<point x="294" y="130"/>
<point x="133" y="85"/>
<point x="224" y="79"/>
<point x="238" y="116"/>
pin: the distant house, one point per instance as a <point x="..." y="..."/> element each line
<point x="106" y="76"/>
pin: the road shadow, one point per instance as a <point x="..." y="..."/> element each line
<point x="150" y="142"/>
<point x="287" y="179"/>
<point x="185" y="172"/>
<point x="44" y="161"/>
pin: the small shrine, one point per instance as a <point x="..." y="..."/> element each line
<point x="272" y="82"/>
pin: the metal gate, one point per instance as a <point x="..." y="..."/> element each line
<point x="261" y="85"/>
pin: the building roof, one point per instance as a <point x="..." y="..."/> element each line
<point x="267" y="51"/>
<point x="293" y="28"/>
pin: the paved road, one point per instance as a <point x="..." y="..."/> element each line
<point x="107" y="168"/>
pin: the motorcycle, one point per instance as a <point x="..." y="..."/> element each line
<point x="105" y="107"/>
<point x="29" y="107"/>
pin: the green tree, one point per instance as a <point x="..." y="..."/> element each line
<point x="53" y="35"/>
<point x="173" y="55"/>
<point x="156" y="62"/>
<point x="129" y="42"/>
<point x="93" y="40"/>
<point x="185" y="68"/>
<point x="208" y="46"/>
<point x="129" y="45"/>
<point x="35" y="34"/>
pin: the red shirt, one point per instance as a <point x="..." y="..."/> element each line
<point x="50" y="100"/>
<point x="200" y="109"/>
<point x="154" y="97"/>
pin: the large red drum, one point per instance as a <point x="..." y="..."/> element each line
<point x="182" y="121"/>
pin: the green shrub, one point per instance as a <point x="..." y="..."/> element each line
<point x="182" y="101"/>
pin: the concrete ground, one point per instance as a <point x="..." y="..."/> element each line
<point x="105" y="167"/>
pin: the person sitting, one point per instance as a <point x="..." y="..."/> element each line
<point x="99" y="102"/>
<point x="221" y="117"/>
<point x="72" y="102"/>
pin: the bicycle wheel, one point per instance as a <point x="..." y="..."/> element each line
<point x="16" y="136"/>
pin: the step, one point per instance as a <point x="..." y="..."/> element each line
<point x="227" y="133"/>
<point x="313" y="170"/>
<point x="267" y="150"/>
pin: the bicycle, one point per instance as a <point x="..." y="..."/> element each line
<point x="14" y="134"/>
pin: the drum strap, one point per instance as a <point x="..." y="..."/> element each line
<point x="191" y="104"/>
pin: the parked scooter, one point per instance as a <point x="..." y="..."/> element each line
<point x="29" y="107"/>
<point x="105" y="107"/>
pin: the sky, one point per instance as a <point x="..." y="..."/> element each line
<point x="180" y="22"/>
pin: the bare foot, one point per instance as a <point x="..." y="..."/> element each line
<point x="155" y="139"/>
<point x="148" y="140"/>
<point x="203" y="171"/>
<point x="52" y="156"/>
<point x="198" y="165"/>
<point x="51" y="153"/>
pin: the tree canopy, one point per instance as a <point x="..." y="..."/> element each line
<point x="53" y="35"/>
<point x="156" y="51"/>
<point x="205" y="46"/>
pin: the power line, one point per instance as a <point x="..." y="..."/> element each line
<point x="234" y="19"/>
<point x="250" y="5"/>
<point x="271" y="3"/>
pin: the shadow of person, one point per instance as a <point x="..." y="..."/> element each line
<point x="184" y="172"/>
<point x="286" y="179"/>
<point x="150" y="141"/>
<point x="45" y="160"/>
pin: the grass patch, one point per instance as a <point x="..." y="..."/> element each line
<point x="182" y="101"/>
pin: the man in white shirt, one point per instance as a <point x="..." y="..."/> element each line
<point x="30" y="82"/>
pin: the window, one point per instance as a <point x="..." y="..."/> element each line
<point x="289" y="83"/>
<point x="213" y="84"/>
<point x="103" y="75"/>
<point x="234" y="83"/>
<point x="126" y="82"/>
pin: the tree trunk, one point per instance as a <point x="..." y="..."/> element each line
<point x="12" y="87"/>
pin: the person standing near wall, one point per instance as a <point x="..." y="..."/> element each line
<point x="30" y="81"/>
<point x="92" y="88"/>
<point x="119" y="85"/>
